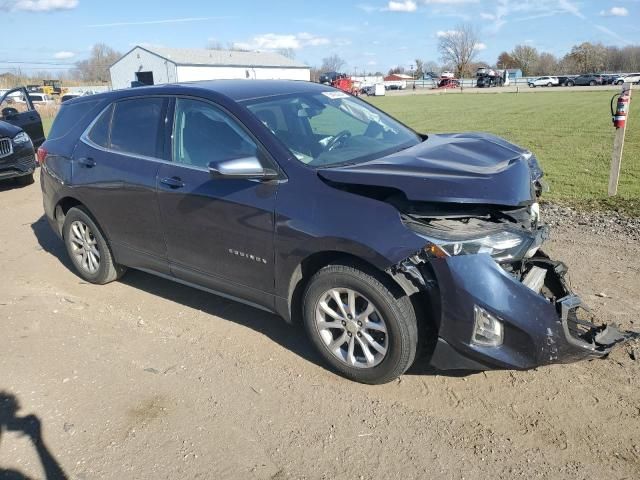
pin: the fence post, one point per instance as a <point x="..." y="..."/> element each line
<point x="618" y="146"/>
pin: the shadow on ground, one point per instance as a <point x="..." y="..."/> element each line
<point x="31" y="427"/>
<point x="11" y="184"/>
<point x="291" y="337"/>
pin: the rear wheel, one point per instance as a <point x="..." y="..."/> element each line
<point x="88" y="249"/>
<point x="359" y="326"/>
<point x="549" y="84"/>
<point x="570" y="84"/>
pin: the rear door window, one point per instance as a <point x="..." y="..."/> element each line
<point x="68" y="117"/>
<point x="136" y="126"/>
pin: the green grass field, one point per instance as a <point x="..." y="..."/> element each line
<point x="570" y="133"/>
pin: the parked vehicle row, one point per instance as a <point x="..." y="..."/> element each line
<point x="582" y="80"/>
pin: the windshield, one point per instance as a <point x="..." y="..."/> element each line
<point x="331" y="128"/>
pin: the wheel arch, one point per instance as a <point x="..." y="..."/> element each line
<point x="60" y="210"/>
<point x="311" y="264"/>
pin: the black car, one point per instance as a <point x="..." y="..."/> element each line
<point x="302" y="200"/>
<point x="583" y="80"/>
<point x="20" y="132"/>
<point x="564" y="80"/>
<point x="68" y="96"/>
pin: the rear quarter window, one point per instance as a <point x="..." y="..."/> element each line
<point x="136" y="126"/>
<point x="68" y="117"/>
<point x="99" y="133"/>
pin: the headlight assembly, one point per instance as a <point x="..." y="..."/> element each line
<point x="21" y="138"/>
<point x="502" y="245"/>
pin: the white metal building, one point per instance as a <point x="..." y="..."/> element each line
<point x="155" y="65"/>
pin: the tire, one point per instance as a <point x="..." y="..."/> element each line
<point x="531" y="85"/>
<point x="25" y="179"/>
<point x="570" y="84"/>
<point x="619" y="82"/>
<point x="392" y="310"/>
<point x="78" y="241"/>
<point x="592" y="83"/>
<point x="549" y="84"/>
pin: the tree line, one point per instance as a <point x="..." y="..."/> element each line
<point x="460" y="48"/>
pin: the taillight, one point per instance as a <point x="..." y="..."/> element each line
<point x="41" y="155"/>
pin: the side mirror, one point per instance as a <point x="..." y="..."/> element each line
<point x="247" y="168"/>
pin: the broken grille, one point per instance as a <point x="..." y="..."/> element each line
<point x="6" y="147"/>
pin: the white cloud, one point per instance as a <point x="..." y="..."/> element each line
<point x="372" y="62"/>
<point x="444" y="33"/>
<point x="615" y="12"/>
<point x="274" y="41"/>
<point x="404" y="6"/>
<point x="487" y="16"/>
<point x="63" y="55"/>
<point x="448" y="2"/>
<point x="481" y="46"/>
<point x="157" y="22"/>
<point x="38" y="5"/>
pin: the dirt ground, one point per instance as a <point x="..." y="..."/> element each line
<point x="144" y="378"/>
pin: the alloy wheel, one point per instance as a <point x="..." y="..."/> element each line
<point x="84" y="247"/>
<point x="351" y="328"/>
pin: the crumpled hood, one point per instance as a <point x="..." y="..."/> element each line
<point x="463" y="167"/>
<point x="8" y="130"/>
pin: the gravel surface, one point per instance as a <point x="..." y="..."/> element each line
<point x="606" y="224"/>
<point x="144" y="378"/>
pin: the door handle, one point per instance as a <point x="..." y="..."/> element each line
<point x="173" y="182"/>
<point x="87" y="162"/>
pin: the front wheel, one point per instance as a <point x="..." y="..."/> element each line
<point x="549" y="84"/>
<point x="88" y="249"/>
<point x="570" y="84"/>
<point x="592" y="83"/>
<point x="359" y="326"/>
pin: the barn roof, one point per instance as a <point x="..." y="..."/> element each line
<point x="222" y="58"/>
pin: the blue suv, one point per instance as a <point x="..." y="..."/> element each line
<point x="302" y="200"/>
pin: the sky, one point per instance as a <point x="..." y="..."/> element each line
<point x="371" y="35"/>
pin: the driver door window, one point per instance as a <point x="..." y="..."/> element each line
<point x="203" y="133"/>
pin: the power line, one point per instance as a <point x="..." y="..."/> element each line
<point x="20" y="62"/>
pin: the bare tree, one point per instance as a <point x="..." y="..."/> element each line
<point x="290" y="53"/>
<point x="505" y="61"/>
<point x="547" y="64"/>
<point x="96" y="67"/>
<point x="419" y="71"/>
<point x="395" y="70"/>
<point x="430" y="66"/>
<point x="588" y="57"/>
<point x="459" y="47"/>
<point x="525" y="58"/>
<point x="213" y="44"/>
<point x="334" y="63"/>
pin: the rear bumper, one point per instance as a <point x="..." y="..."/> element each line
<point x="539" y="328"/>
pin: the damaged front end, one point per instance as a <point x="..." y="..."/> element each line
<point x="501" y="302"/>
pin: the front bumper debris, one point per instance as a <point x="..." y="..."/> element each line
<point x="544" y="321"/>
